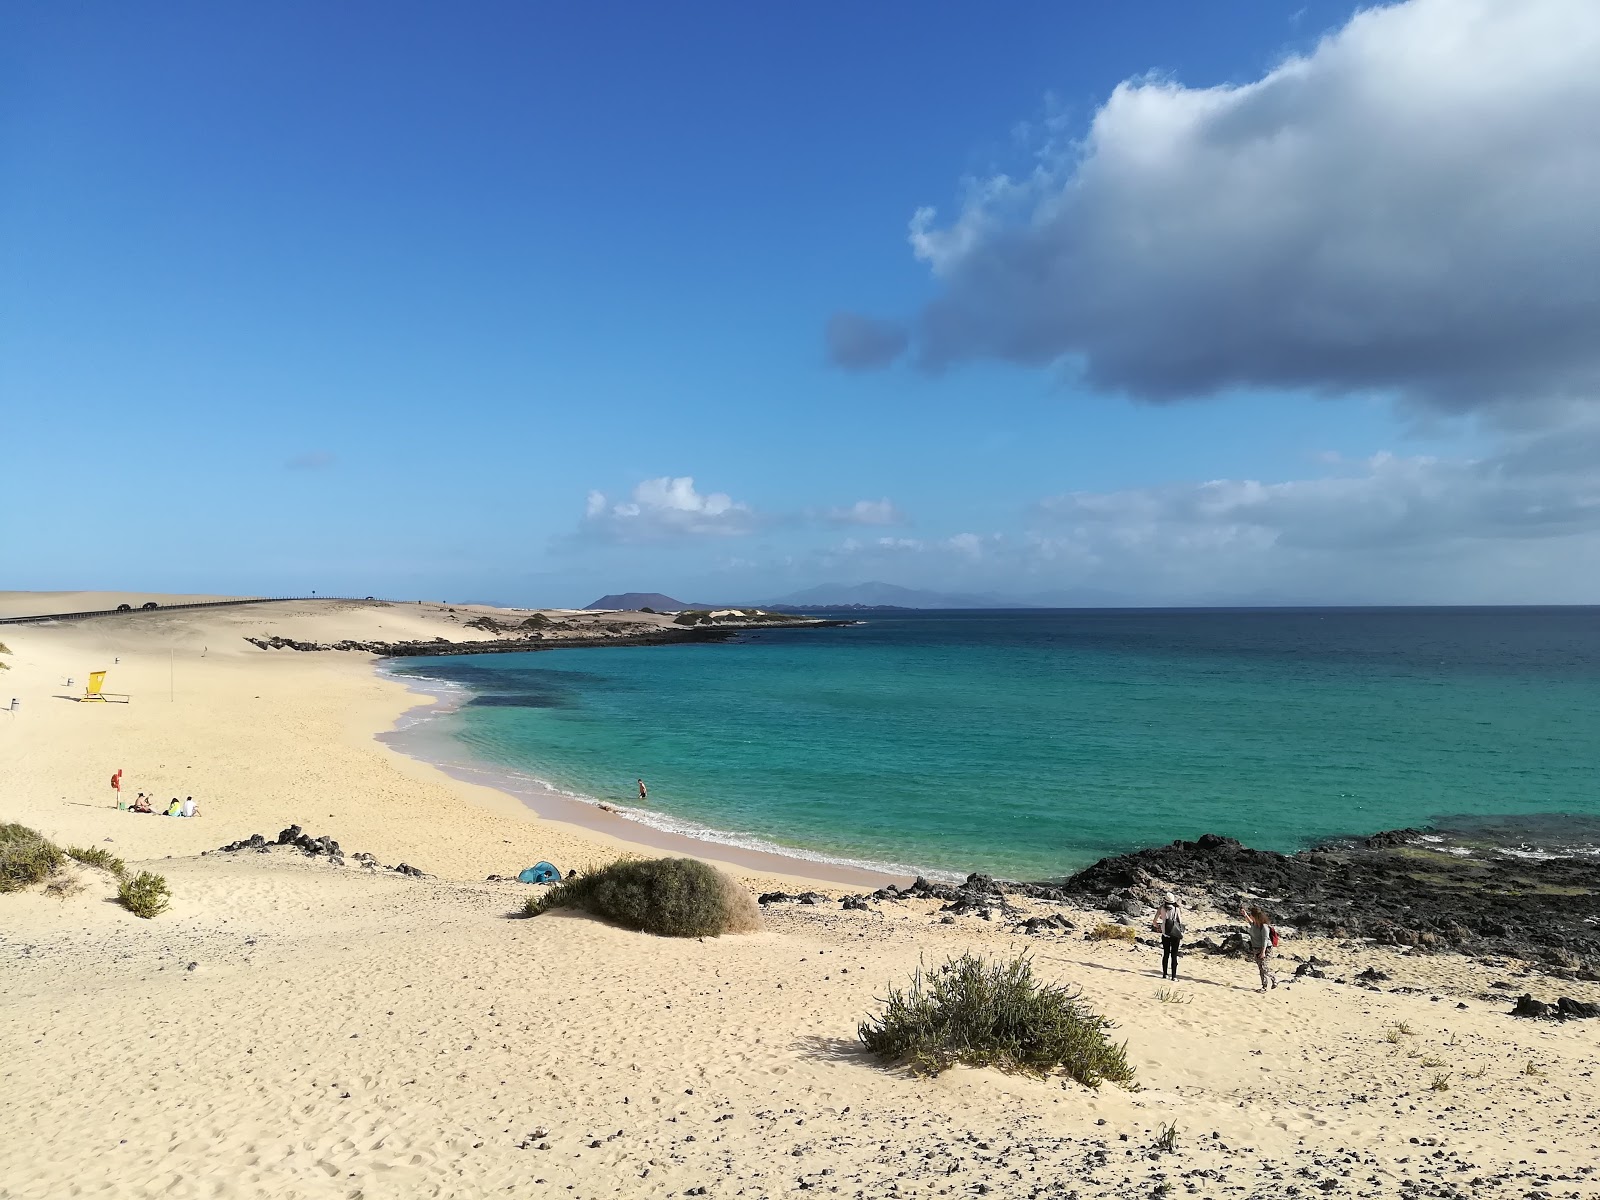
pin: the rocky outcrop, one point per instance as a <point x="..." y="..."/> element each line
<point x="313" y="847"/>
<point x="530" y="635"/>
<point x="1390" y="887"/>
<point x="1564" y="1009"/>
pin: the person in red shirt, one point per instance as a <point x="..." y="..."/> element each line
<point x="116" y="785"/>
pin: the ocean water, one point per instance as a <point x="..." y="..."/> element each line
<point x="1031" y="743"/>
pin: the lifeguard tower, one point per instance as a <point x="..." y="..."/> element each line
<point x="95" y="691"/>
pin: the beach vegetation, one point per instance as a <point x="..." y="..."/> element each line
<point x="1167" y="1140"/>
<point x="669" y="897"/>
<point x="63" y="885"/>
<point x="1108" y="931"/>
<point x="1173" y="996"/>
<point x="1440" y="1082"/>
<point x="1430" y="1061"/>
<point x="1533" y="1069"/>
<point x="96" y="856"/>
<point x="145" y="895"/>
<point x="692" y="616"/>
<point x="1483" y="1069"/>
<point x="994" y="1013"/>
<point x="27" y="857"/>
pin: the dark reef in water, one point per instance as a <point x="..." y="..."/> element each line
<point x="655" y="636"/>
<point x="1394" y="887"/>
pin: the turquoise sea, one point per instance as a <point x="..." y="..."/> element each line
<point x="1030" y="743"/>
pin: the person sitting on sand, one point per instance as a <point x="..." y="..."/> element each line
<point x="1168" y="922"/>
<point x="175" y="809"/>
<point x="1261" y="943"/>
<point x="190" y="808"/>
<point x="142" y="804"/>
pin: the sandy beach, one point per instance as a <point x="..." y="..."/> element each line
<point x="291" y="1028"/>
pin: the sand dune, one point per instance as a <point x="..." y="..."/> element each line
<point x="291" y="1028"/>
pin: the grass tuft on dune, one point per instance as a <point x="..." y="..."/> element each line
<point x="27" y="857"/>
<point x="145" y="895"/>
<point x="993" y="1013"/>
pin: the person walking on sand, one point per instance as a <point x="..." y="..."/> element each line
<point x="1262" y="939"/>
<point x="1169" y="923"/>
<point x="644" y="792"/>
<point x="116" y="786"/>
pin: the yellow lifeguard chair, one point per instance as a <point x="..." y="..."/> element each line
<point x="95" y="691"/>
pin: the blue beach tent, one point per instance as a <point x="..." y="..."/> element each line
<point x="541" y="872"/>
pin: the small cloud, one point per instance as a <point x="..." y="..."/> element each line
<point x="866" y="512"/>
<point x="972" y="544"/>
<point x="861" y="343"/>
<point x="664" y="508"/>
<point x="310" y="460"/>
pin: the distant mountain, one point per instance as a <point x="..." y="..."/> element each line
<point x="875" y="594"/>
<point x="879" y="595"/>
<point x="633" y="601"/>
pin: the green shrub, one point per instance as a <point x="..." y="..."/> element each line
<point x="994" y="1014"/>
<point x="692" y="617"/>
<point x="1107" y="932"/>
<point x="145" y="895"/>
<point x="94" y="856"/>
<point x="669" y="897"/>
<point x="26" y="857"/>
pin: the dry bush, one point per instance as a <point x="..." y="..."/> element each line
<point x="63" y="886"/>
<point x="1108" y="932"/>
<point x="669" y="897"/>
<point x="994" y="1014"/>
<point x="145" y="895"/>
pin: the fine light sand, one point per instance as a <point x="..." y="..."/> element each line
<point x="292" y="1028"/>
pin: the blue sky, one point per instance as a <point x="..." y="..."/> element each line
<point x="413" y="300"/>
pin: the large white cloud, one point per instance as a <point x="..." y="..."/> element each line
<point x="1519" y="524"/>
<point x="1409" y="208"/>
<point x="1540" y="487"/>
<point x="666" y="508"/>
<point x="671" y="507"/>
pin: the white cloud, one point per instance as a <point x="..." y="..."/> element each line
<point x="666" y="508"/>
<point x="1409" y="209"/>
<point x="1522" y="523"/>
<point x="866" y="512"/>
<point x="971" y="544"/>
<point x="1536" y="488"/>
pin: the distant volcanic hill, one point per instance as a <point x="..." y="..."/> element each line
<point x="633" y="601"/>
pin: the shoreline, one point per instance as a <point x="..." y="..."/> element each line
<point x="548" y="803"/>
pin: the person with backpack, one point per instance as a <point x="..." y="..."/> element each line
<point x="1169" y="923"/>
<point x="1263" y="940"/>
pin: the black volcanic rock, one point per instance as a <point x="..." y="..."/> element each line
<point x="1388" y="887"/>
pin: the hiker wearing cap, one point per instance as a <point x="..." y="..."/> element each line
<point x="1169" y="923"/>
